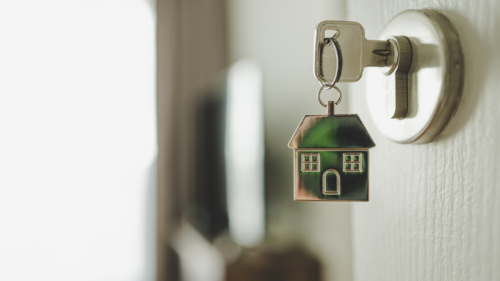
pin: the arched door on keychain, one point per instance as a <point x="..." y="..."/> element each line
<point x="331" y="182"/>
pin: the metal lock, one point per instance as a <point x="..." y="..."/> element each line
<point x="418" y="88"/>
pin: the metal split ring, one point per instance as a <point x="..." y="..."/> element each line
<point x="338" y="55"/>
<point x="328" y="87"/>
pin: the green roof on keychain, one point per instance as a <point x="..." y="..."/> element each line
<point x="331" y="155"/>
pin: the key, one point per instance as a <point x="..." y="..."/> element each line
<point x="356" y="52"/>
<point x="343" y="60"/>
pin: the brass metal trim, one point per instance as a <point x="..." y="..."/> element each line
<point x="309" y="161"/>
<point x="352" y="162"/>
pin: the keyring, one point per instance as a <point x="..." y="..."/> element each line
<point x="330" y="87"/>
<point x="338" y="55"/>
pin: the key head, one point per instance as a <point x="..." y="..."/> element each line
<point x="350" y="37"/>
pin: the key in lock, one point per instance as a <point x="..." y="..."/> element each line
<point x="344" y="58"/>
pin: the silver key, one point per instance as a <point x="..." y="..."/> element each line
<point x="357" y="52"/>
<point x="344" y="58"/>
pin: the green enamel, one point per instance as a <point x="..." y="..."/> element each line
<point x="331" y="131"/>
<point x="332" y="182"/>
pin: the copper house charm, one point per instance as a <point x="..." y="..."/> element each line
<point x="331" y="158"/>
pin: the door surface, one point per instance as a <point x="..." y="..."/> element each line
<point x="433" y="212"/>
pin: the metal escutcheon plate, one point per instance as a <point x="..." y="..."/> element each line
<point x="435" y="79"/>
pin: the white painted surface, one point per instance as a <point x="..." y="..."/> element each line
<point x="433" y="212"/>
<point x="77" y="140"/>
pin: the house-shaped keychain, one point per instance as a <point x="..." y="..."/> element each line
<point x="331" y="158"/>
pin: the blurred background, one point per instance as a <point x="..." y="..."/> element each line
<point x="245" y="67"/>
<point x="147" y="140"/>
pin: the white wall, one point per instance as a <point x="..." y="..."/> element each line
<point x="434" y="211"/>
<point x="77" y="140"/>
<point x="279" y="36"/>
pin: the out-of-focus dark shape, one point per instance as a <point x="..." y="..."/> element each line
<point x="274" y="265"/>
<point x="207" y="210"/>
<point x="174" y="265"/>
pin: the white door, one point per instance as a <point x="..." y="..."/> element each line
<point x="434" y="211"/>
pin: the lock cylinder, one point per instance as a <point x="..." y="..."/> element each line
<point x="398" y="66"/>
